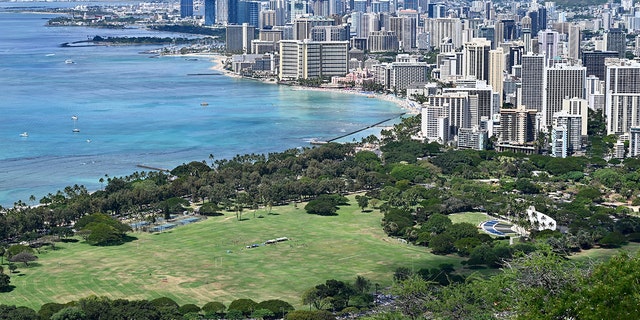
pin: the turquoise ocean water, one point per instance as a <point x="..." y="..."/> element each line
<point x="133" y="109"/>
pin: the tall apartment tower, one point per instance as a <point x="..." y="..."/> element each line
<point x="313" y="59"/>
<point x="549" y="41"/>
<point x="622" y="95"/>
<point x="616" y="41"/>
<point x="572" y="127"/>
<point x="209" y="12"/>
<point x="575" y="34"/>
<point x="517" y="126"/>
<point x="561" y="81"/>
<point x="476" y="59"/>
<point x="435" y="124"/>
<point x="634" y="141"/>
<point x="497" y="65"/>
<point x="186" y="8"/>
<point x="577" y="107"/>
<point x="238" y="38"/>
<point x="532" y="81"/>
<point x="440" y="28"/>
<point x="455" y="106"/>
<point x="405" y="28"/>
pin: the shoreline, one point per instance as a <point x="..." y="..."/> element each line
<point x="404" y="104"/>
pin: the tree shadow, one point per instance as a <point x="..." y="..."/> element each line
<point x="8" y="288"/>
<point x="69" y="240"/>
<point x="367" y="211"/>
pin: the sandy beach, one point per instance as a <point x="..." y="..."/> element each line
<point x="219" y="60"/>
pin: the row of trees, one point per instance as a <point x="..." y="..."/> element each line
<point x="93" y="307"/>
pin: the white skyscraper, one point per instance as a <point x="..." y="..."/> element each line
<point x="622" y="95"/>
<point x="561" y="81"/>
<point x="476" y="59"/>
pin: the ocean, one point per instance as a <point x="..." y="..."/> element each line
<point x="133" y="109"/>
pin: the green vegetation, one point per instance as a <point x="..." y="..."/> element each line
<point x="191" y="265"/>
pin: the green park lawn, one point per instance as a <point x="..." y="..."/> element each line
<point x="475" y="218"/>
<point x="207" y="261"/>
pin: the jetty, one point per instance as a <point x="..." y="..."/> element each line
<point x="320" y="142"/>
<point x="144" y="166"/>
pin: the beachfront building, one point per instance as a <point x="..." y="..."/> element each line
<point x="313" y="59"/>
<point x="238" y="38"/>
<point x="622" y="95"/>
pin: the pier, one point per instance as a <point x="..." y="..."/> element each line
<point x="144" y="166"/>
<point x="319" y="142"/>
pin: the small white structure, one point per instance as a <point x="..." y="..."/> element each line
<point x="539" y="220"/>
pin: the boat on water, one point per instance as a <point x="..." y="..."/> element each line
<point x="24" y="134"/>
<point x="75" y="118"/>
<point x="204" y="104"/>
<point x="69" y="61"/>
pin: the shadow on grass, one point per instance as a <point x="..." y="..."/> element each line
<point x="367" y="211"/>
<point x="8" y="288"/>
<point x="69" y="240"/>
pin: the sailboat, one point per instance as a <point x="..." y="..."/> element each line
<point x="24" y="134"/>
<point x="75" y="118"/>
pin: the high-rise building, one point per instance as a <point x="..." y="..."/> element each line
<point x="402" y="74"/>
<point x="616" y="40"/>
<point x="238" y="38"/>
<point x="532" y="81"/>
<point x="622" y="95"/>
<point x="575" y="35"/>
<point x="404" y="25"/>
<point x="595" y="93"/>
<point x="577" y="107"/>
<point x="313" y="59"/>
<point x="559" y="144"/>
<point x="209" y="12"/>
<point x="634" y="141"/>
<point x="572" y="127"/>
<point x="330" y="33"/>
<point x="381" y="41"/>
<point x="517" y="126"/>
<point x="222" y="12"/>
<point x="472" y="138"/>
<point x="303" y="26"/>
<point x="548" y="42"/>
<point x="435" y="124"/>
<point x="594" y="62"/>
<point x="497" y="66"/>
<point x="444" y="28"/>
<point x="476" y="59"/>
<point x="455" y="106"/>
<point x="483" y="102"/>
<point x="186" y="8"/>
<point x="561" y="81"/>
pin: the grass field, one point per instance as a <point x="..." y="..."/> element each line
<point x="600" y="254"/>
<point x="208" y="261"/>
<point x="475" y="218"/>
